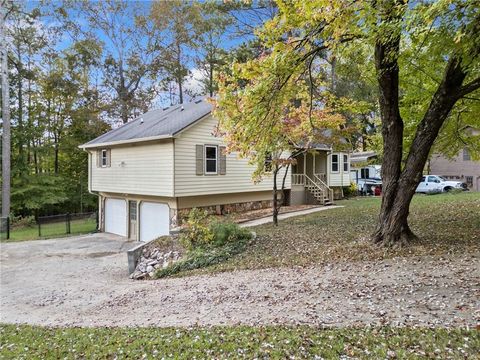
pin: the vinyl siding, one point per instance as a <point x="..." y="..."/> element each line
<point x="238" y="176"/>
<point x="147" y="169"/>
<point x="456" y="168"/>
<point x="340" y="178"/>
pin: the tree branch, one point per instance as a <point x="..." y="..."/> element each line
<point x="470" y="87"/>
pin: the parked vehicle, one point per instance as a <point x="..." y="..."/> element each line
<point x="437" y="184"/>
<point x="368" y="186"/>
<point x="367" y="179"/>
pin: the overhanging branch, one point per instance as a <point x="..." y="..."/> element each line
<point x="469" y="88"/>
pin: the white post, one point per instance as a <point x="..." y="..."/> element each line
<point x="315" y="153"/>
<point x="305" y="163"/>
<point x="5" y="115"/>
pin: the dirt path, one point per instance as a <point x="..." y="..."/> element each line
<point x="72" y="282"/>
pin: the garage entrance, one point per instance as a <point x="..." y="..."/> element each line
<point x="116" y="216"/>
<point x="132" y="220"/>
<point x="154" y="220"/>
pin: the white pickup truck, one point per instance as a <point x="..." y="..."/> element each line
<point x="437" y="184"/>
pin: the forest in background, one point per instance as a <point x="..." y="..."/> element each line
<point x="78" y="68"/>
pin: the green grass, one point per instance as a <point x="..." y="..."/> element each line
<point x="52" y="230"/>
<point x="445" y="223"/>
<point x="27" y="342"/>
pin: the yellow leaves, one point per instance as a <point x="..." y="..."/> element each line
<point x="458" y="37"/>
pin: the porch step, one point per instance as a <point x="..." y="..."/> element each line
<point x="319" y="195"/>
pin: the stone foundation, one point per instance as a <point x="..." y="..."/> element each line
<point x="226" y="209"/>
<point x="337" y="193"/>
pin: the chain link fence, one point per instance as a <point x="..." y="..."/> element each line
<point x="65" y="224"/>
<point x="4" y="228"/>
<point x="49" y="226"/>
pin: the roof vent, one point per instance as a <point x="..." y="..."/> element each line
<point x="141" y="120"/>
<point x="182" y="108"/>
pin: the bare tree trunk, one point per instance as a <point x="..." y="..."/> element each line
<point x="124" y="109"/>
<point x="210" y="80"/>
<point x="399" y="185"/>
<point x="35" y="157"/>
<point x="275" y="202"/>
<point x="20" y="108"/>
<point x="5" y="117"/>
<point x="390" y="225"/>
<point x="284" y="197"/>
<point x="56" y="152"/>
<point x="180" y="90"/>
<point x="333" y="73"/>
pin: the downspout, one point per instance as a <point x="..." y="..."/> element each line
<point x="90" y="187"/>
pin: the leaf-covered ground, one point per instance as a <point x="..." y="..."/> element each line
<point x="25" y="342"/>
<point x="445" y="224"/>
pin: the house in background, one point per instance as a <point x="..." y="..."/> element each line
<point x="461" y="167"/>
<point x="151" y="171"/>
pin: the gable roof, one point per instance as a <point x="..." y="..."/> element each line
<point x="155" y="124"/>
<point x="362" y="156"/>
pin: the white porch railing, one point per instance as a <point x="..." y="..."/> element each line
<point x="298" y="179"/>
<point x="316" y="185"/>
<point x="320" y="180"/>
<point x="321" y="176"/>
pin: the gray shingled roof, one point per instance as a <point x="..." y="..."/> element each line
<point x="156" y="123"/>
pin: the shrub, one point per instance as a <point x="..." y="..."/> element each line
<point x="18" y="221"/>
<point x="197" y="232"/>
<point x="349" y="191"/>
<point x="225" y="232"/>
<point x="204" y="257"/>
<point x="208" y="243"/>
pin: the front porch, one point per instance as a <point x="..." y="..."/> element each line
<point x="310" y="180"/>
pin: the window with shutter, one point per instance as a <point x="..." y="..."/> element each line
<point x="223" y="160"/>
<point x="211" y="156"/>
<point x="199" y="159"/>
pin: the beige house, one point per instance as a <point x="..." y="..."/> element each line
<point x="149" y="172"/>
<point x="461" y="168"/>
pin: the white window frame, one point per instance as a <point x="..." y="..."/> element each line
<point x="336" y="162"/>
<point x="346" y="162"/>
<point x="103" y="158"/>
<point x="206" y="159"/>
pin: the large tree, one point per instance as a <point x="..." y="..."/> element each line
<point x="401" y="36"/>
<point x="131" y="57"/>
<point x="179" y="25"/>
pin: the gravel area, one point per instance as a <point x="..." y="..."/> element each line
<point x="82" y="281"/>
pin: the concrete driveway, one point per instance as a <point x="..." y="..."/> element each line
<point x="82" y="281"/>
<point x="38" y="278"/>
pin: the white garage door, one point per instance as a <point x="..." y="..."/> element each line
<point x="116" y="216"/>
<point x="154" y="220"/>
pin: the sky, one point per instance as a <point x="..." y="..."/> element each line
<point x="66" y="38"/>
